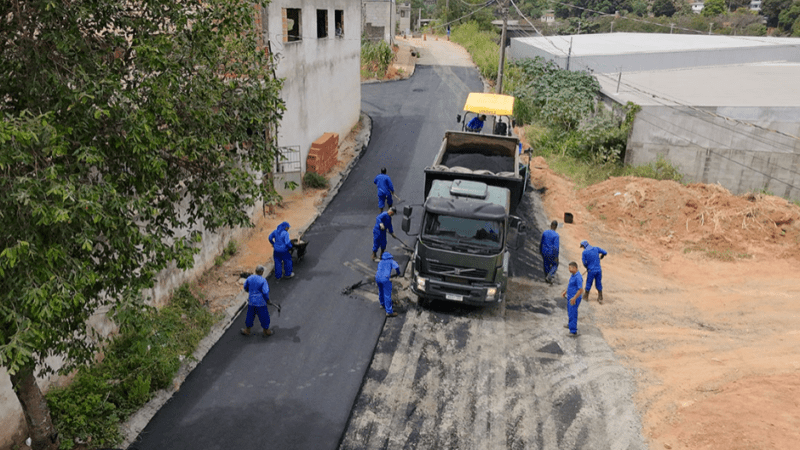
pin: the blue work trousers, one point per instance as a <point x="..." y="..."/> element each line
<point x="597" y="277"/>
<point x="378" y="240"/>
<point x="385" y="294"/>
<point x="572" y="313"/>
<point x="550" y="265"/>
<point x="263" y="316"/>
<point x="283" y="263"/>
<point x="384" y="200"/>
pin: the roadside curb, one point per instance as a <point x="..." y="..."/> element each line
<point x="132" y="427"/>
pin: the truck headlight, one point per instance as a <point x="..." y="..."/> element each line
<point x="421" y="282"/>
<point x="491" y="293"/>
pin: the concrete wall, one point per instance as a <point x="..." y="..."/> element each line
<point x="380" y="19"/>
<point x="322" y="91"/>
<point x="738" y="154"/>
<point x="322" y="84"/>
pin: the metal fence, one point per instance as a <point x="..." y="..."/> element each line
<point x="287" y="159"/>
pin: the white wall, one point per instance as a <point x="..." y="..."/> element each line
<point x="322" y="84"/>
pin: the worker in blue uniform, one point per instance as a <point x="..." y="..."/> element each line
<point x="258" y="295"/>
<point x="594" y="273"/>
<point x="548" y="247"/>
<point x="385" y="189"/>
<point x="384" y="282"/>
<point x="281" y="251"/>
<point x="383" y="223"/>
<point x="573" y="295"/>
<point x="476" y="124"/>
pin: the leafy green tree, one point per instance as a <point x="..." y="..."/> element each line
<point x="639" y="8"/>
<point x="128" y="128"/>
<point x="663" y="8"/>
<point x="771" y="9"/>
<point x="788" y="17"/>
<point x="714" y="8"/>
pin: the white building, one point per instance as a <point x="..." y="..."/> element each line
<point x="697" y="7"/>
<point x="722" y="109"/>
<point x="380" y="19"/>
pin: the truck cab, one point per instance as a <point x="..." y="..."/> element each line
<point x="462" y="253"/>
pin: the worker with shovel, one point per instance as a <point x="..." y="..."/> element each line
<point x="258" y="296"/>
<point x="383" y="223"/>
<point x="385" y="189"/>
<point x="383" y="280"/>
<point x="594" y="273"/>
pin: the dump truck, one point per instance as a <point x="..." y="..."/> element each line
<point x="467" y="226"/>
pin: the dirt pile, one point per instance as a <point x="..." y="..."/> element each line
<point x="696" y="217"/>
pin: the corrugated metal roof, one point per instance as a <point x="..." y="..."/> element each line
<point x="632" y="43"/>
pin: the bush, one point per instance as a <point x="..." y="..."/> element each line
<point x="314" y="180"/>
<point x="144" y="358"/>
<point x="227" y="252"/>
<point x="482" y="45"/>
<point x="375" y="58"/>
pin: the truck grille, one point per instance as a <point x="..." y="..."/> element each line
<point x="449" y="271"/>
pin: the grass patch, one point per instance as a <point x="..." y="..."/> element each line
<point x="375" y="58"/>
<point x="227" y="252"/>
<point x="720" y="255"/>
<point x="314" y="180"/>
<point x="142" y="359"/>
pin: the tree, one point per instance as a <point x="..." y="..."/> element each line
<point x="788" y="17"/>
<point x="713" y="7"/>
<point x="663" y="8"/>
<point x="771" y="9"/>
<point x="128" y="128"/>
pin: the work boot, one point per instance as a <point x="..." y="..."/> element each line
<point x="245" y="331"/>
<point x="291" y="276"/>
<point x="600" y="297"/>
<point x="267" y="333"/>
<point x="374" y="256"/>
<point x="394" y="314"/>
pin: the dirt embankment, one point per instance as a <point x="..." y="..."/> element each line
<point x="701" y="302"/>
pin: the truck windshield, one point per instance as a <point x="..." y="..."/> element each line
<point x="471" y="233"/>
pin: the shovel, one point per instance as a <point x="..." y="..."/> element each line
<point x="403" y="244"/>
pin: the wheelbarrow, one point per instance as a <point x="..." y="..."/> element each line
<point x="300" y="246"/>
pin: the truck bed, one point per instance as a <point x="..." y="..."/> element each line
<point x="484" y="158"/>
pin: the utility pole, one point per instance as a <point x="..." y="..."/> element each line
<point x="504" y="11"/>
<point x="569" y="54"/>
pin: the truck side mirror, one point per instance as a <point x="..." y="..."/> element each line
<point x="458" y="118"/>
<point x="407" y="210"/>
<point x="406" y="224"/>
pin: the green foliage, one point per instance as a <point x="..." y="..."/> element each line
<point x="314" y="180"/>
<point x="663" y="8"/>
<point x="771" y="9"/>
<point x="141" y="360"/>
<point x="555" y="96"/>
<point x="482" y="45"/>
<point x="375" y="58"/>
<point x="788" y="19"/>
<point x="227" y="252"/>
<point x="713" y="8"/>
<point x="659" y="170"/>
<point x="117" y="151"/>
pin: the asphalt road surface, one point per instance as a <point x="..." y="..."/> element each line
<point x="295" y="389"/>
<point x="450" y="376"/>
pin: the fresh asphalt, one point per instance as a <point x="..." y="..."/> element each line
<point x="295" y="389"/>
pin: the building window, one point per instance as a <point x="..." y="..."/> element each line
<point x="292" y="30"/>
<point x="339" y="19"/>
<point x="322" y="23"/>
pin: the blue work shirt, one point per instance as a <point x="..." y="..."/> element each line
<point x="385" y="219"/>
<point x="258" y="289"/>
<point x="591" y="258"/>
<point x="575" y="284"/>
<point x="549" y="244"/>
<point x="476" y="124"/>
<point x="385" y="267"/>
<point x="280" y="238"/>
<point x="384" y="183"/>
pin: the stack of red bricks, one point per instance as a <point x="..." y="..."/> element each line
<point x="324" y="154"/>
